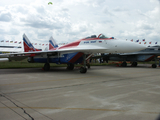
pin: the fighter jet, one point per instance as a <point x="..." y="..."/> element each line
<point x="76" y="52"/>
<point x="146" y="55"/>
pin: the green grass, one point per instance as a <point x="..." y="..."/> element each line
<point x="25" y="64"/>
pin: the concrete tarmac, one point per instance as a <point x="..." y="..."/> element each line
<point x="103" y="93"/>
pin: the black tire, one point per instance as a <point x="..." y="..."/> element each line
<point x="70" y="66"/>
<point x="46" y="67"/>
<point x="124" y="64"/>
<point x="134" y="64"/>
<point x="83" y="70"/>
<point x="154" y="65"/>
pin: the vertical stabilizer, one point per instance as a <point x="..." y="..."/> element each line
<point x="52" y="43"/>
<point x="28" y="47"/>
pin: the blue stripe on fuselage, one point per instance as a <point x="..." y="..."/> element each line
<point x="65" y="59"/>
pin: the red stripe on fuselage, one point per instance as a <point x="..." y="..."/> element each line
<point x="73" y="44"/>
<point x="150" y="58"/>
<point x="76" y="43"/>
<point x="76" y="57"/>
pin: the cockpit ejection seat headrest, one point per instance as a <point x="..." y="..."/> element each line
<point x="93" y="36"/>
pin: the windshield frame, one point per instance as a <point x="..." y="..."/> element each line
<point x="102" y="36"/>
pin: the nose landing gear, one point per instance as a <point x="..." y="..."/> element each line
<point x="83" y="69"/>
<point x="46" y="67"/>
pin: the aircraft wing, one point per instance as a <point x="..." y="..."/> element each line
<point x="85" y="49"/>
<point x="14" y="56"/>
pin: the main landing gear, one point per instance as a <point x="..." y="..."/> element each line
<point x="124" y="64"/>
<point x="82" y="69"/>
<point x="134" y="64"/>
<point x="70" y="66"/>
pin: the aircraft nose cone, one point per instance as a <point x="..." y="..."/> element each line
<point x="128" y="46"/>
<point x="134" y="47"/>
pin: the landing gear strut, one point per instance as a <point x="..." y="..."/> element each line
<point x="83" y="69"/>
<point x="70" y="66"/>
<point x="46" y="67"/>
<point x="155" y="65"/>
<point x="88" y="65"/>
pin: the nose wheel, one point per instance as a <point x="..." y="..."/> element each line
<point x="154" y="65"/>
<point x="83" y="70"/>
<point x="46" y="67"/>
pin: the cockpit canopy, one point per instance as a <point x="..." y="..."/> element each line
<point x="101" y="36"/>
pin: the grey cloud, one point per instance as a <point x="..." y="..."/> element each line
<point x="106" y="21"/>
<point x="142" y="14"/>
<point x="118" y="9"/>
<point x="46" y="19"/>
<point x="106" y="11"/>
<point x="97" y="2"/>
<point x="43" y="24"/>
<point x="19" y="8"/>
<point x="2" y="31"/>
<point x="81" y="29"/>
<point x="44" y="33"/>
<point x="5" y="16"/>
<point x="39" y="21"/>
<point x="12" y="31"/>
<point x="65" y="9"/>
<point x="145" y="27"/>
<point x="154" y="36"/>
<point x="40" y="9"/>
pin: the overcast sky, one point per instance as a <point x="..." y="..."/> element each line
<point x="70" y="20"/>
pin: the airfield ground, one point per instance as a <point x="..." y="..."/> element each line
<point x="103" y="93"/>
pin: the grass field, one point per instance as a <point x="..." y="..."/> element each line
<point x="25" y="64"/>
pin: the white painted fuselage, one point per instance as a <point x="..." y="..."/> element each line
<point x="101" y="45"/>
